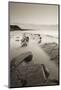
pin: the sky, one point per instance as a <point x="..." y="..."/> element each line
<point x="21" y="13"/>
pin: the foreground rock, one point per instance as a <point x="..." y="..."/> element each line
<point x="52" y="51"/>
<point x="29" y="75"/>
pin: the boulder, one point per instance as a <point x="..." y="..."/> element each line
<point x="25" y="57"/>
<point x="29" y="75"/>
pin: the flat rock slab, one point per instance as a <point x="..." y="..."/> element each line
<point x="29" y="75"/>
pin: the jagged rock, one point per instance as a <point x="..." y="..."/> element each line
<point x="27" y="39"/>
<point x="24" y="44"/>
<point x="24" y="41"/>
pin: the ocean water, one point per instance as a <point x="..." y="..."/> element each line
<point x="42" y="29"/>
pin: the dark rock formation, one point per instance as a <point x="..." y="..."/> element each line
<point x="29" y="75"/>
<point x="24" y="41"/>
<point x="27" y="39"/>
<point x="25" y="57"/>
<point x="14" y="27"/>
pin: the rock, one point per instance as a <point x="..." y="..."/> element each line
<point x="28" y="59"/>
<point x="29" y="75"/>
<point x="52" y="50"/>
<point x="27" y="39"/>
<point x="24" y="41"/>
<point x="24" y="44"/>
<point x="14" y="28"/>
<point x="25" y="57"/>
